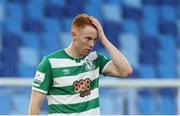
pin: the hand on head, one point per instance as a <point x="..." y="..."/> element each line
<point x="98" y="26"/>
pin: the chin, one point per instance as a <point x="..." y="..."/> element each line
<point x="85" y="54"/>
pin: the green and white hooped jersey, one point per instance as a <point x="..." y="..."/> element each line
<point x="71" y="85"/>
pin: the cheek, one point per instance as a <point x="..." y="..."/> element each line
<point x="81" y="45"/>
<point x="83" y="42"/>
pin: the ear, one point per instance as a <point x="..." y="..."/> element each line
<point x="74" y="35"/>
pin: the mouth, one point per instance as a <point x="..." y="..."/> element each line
<point x="88" y="50"/>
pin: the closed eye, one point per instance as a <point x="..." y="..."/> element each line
<point x="88" y="38"/>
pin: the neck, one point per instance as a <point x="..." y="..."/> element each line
<point x="73" y="52"/>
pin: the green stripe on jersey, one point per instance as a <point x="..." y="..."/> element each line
<point x="74" y="70"/>
<point x="69" y="90"/>
<point x="74" y="108"/>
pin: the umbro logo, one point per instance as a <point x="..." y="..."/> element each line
<point x="66" y="71"/>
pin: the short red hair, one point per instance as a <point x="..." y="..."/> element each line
<point x="80" y="21"/>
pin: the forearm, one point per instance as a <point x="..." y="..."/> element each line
<point x="118" y="59"/>
<point x="36" y="101"/>
<point x="34" y="109"/>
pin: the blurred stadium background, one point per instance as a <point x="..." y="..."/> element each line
<point x="146" y="31"/>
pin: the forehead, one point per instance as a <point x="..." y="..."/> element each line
<point x="89" y="31"/>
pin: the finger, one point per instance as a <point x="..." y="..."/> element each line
<point x="94" y="19"/>
<point x="95" y="22"/>
<point x="91" y="18"/>
<point x="95" y="25"/>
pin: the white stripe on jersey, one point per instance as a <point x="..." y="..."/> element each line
<point x="66" y="62"/>
<point x="39" y="90"/>
<point x="59" y="63"/>
<point x="69" y="80"/>
<point x="106" y="66"/>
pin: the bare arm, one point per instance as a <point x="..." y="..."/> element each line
<point x="36" y="101"/>
<point x="119" y="65"/>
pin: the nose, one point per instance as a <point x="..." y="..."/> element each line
<point x="91" y="43"/>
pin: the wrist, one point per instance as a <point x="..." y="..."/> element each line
<point x="104" y="40"/>
<point x="102" y="37"/>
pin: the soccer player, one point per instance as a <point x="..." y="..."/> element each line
<point x="70" y="77"/>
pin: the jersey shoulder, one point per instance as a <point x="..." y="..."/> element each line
<point x="56" y="54"/>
